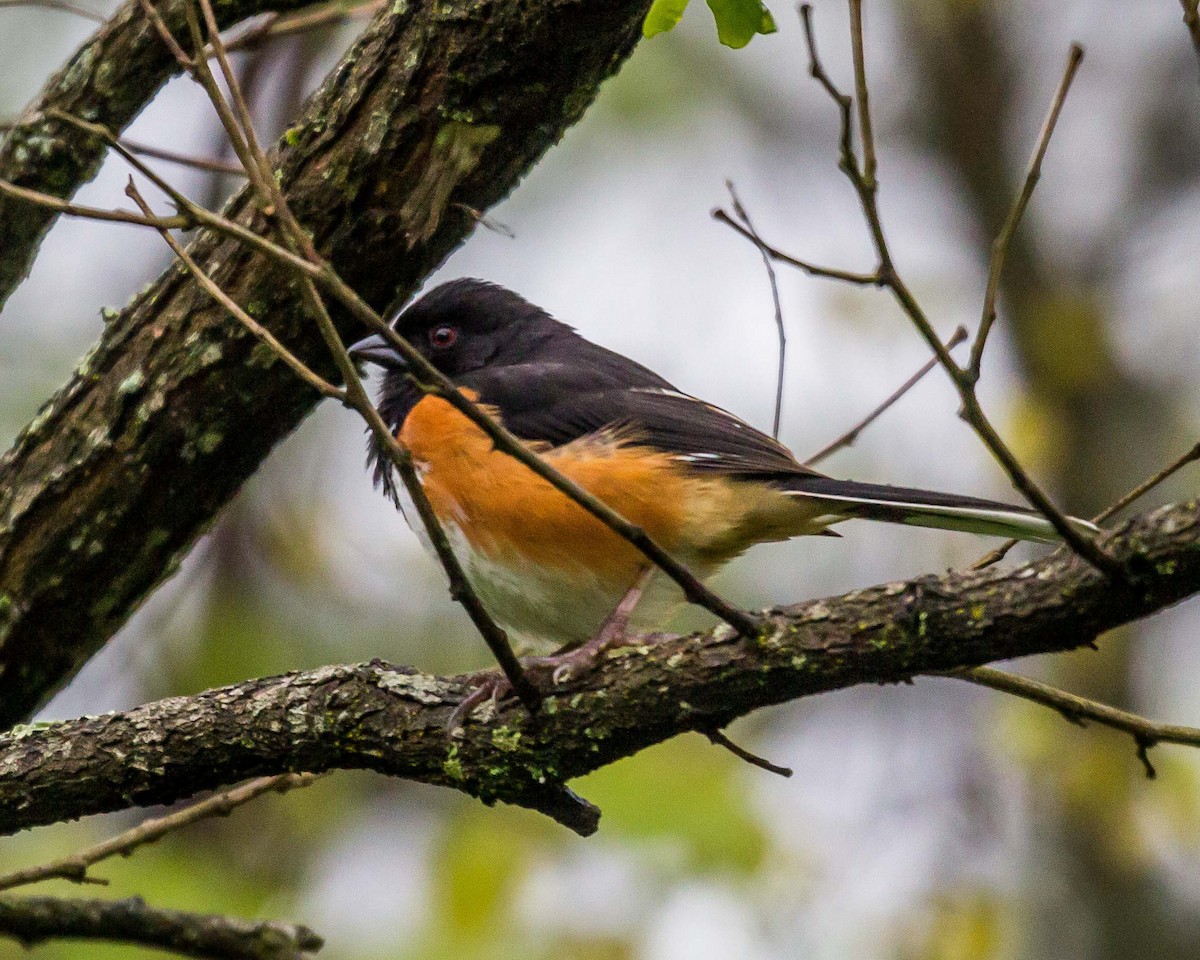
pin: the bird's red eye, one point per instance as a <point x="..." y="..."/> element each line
<point x="443" y="337"/>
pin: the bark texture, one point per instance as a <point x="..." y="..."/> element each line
<point x="33" y="920"/>
<point x="108" y="80"/>
<point x="438" y="107"/>
<point x="393" y="720"/>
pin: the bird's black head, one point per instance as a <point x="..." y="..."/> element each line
<point x="459" y="327"/>
<point x="462" y="326"/>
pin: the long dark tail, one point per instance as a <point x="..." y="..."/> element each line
<point x="927" y="508"/>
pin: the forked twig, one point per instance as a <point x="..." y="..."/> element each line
<point x="58" y="205"/>
<point x="812" y="269"/>
<point x="75" y="867"/>
<point x="847" y="439"/>
<point x="1191" y="456"/>
<point x="862" y="178"/>
<point x="1078" y="710"/>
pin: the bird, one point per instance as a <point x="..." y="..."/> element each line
<point x="702" y="482"/>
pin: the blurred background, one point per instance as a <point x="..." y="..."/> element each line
<point x="933" y="820"/>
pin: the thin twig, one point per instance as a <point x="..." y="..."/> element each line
<point x="719" y="738"/>
<point x="1191" y="19"/>
<point x="1146" y="733"/>
<point x="1191" y="456"/>
<point x="847" y="439"/>
<point x="61" y="5"/>
<point x="742" y="215"/>
<point x="862" y="94"/>
<point x="240" y="126"/>
<point x="298" y="366"/>
<point x="816" y="70"/>
<point x="1149" y="484"/>
<point x="1003" y="240"/>
<point x="286" y="24"/>
<point x="207" y="164"/>
<point x="57" y="204"/>
<point x="812" y="269"/>
<point x="862" y="178"/>
<point x="199" y="215"/>
<point x="157" y="153"/>
<point x="75" y="867"/>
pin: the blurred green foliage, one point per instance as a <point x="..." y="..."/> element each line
<point x="738" y="21"/>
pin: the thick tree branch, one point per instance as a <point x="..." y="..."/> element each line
<point x="33" y="920"/>
<point x="394" y="720"/>
<point x="438" y="108"/>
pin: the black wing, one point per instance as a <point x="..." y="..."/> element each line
<point x="555" y="403"/>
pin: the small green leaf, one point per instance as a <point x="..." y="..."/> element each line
<point x="739" y="20"/>
<point x="663" y="16"/>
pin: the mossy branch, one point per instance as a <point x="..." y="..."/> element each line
<point x="172" y="411"/>
<point x="393" y="720"/>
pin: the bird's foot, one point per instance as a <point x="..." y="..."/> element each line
<point x="490" y="687"/>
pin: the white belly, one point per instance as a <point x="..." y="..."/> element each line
<point x="545" y="609"/>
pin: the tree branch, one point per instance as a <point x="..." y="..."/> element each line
<point x="393" y="720"/>
<point x="33" y="920"/>
<point x="108" y="80"/>
<point x="75" y="867"/>
<point x="866" y="186"/>
<point x="428" y="115"/>
<point x="1079" y="710"/>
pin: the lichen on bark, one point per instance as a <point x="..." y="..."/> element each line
<point x="174" y="409"/>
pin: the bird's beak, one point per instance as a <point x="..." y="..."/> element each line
<point x="378" y="351"/>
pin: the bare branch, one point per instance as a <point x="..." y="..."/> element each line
<point x="179" y="222"/>
<point x="1004" y="238"/>
<point x="62" y="5"/>
<point x="33" y="920"/>
<point x="829" y="273"/>
<point x="1143" y="488"/>
<point x="75" y="867"/>
<point x="1191" y="456"/>
<point x="742" y="215"/>
<point x="863" y="179"/>
<point x="847" y="439"/>
<point x="1078" y="710"/>
<point x="393" y="720"/>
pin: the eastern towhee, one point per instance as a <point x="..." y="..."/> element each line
<point x="703" y="483"/>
